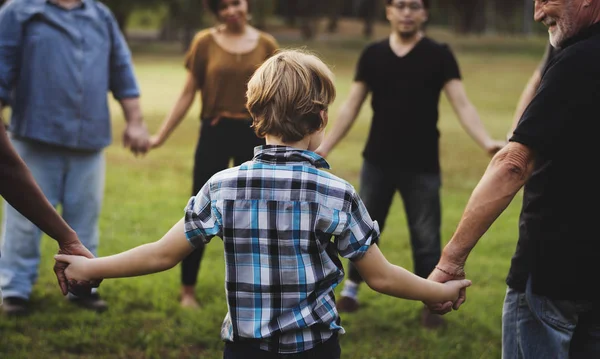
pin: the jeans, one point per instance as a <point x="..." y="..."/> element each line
<point x="420" y="194"/>
<point x="535" y="326"/>
<point x="328" y="350"/>
<point x="73" y="179"/>
<point x="228" y="139"/>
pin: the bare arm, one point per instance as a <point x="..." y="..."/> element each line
<point x="183" y="104"/>
<point x="526" y="97"/>
<point x="396" y="281"/>
<point x="19" y="189"/>
<point x="468" y="116"/>
<point x="347" y="115"/>
<point x="148" y="258"/>
<point x="507" y="172"/>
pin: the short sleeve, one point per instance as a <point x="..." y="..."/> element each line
<point x="566" y="97"/>
<point x="201" y="223"/>
<point x="196" y="58"/>
<point x="450" y="69"/>
<point x="360" y="231"/>
<point x="363" y="68"/>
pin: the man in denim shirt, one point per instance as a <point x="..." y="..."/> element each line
<point x="58" y="61"/>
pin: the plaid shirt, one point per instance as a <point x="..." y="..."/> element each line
<point x="277" y="216"/>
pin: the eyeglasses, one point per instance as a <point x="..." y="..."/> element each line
<point x="412" y="6"/>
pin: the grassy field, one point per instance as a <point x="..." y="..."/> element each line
<point x="145" y="196"/>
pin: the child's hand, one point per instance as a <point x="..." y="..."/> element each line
<point x="455" y="288"/>
<point x="76" y="267"/>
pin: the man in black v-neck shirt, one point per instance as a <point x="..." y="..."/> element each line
<point x="552" y="304"/>
<point x="405" y="75"/>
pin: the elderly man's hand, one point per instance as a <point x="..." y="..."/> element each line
<point x="136" y="138"/>
<point x="442" y="274"/>
<point x="73" y="247"/>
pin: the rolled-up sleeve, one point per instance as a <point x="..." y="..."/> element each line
<point x="360" y="232"/>
<point x="201" y="225"/>
<point x="10" y="43"/>
<point x="123" y="83"/>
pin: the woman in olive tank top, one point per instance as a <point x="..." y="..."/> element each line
<point x="219" y="62"/>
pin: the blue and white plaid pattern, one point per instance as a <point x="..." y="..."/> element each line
<point x="284" y="223"/>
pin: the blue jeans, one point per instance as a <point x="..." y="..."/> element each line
<point x="420" y="194"/>
<point x="535" y="326"/>
<point x="73" y="179"/>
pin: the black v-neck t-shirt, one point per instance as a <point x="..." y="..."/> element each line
<point x="559" y="244"/>
<point x="405" y="94"/>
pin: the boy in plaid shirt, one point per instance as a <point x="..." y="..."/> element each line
<point x="284" y="223"/>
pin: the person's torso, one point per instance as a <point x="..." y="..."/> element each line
<point x="281" y="264"/>
<point x="226" y="75"/>
<point x="60" y="94"/>
<point x="405" y="94"/>
<point x="558" y="243"/>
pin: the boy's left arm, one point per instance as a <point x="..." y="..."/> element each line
<point x="469" y="118"/>
<point x="149" y="258"/>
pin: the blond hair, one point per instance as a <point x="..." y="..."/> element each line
<point x="287" y="93"/>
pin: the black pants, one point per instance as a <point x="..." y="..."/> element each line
<point x="218" y="145"/>
<point x="328" y="350"/>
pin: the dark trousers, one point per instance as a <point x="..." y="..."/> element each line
<point x="229" y="139"/>
<point x="243" y="350"/>
<point x="420" y="194"/>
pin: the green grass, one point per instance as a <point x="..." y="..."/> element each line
<point x="145" y="196"/>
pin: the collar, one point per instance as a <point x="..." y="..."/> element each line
<point x="582" y="35"/>
<point x="285" y="155"/>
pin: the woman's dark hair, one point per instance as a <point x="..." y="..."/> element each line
<point x="213" y="5"/>
<point x="389" y="2"/>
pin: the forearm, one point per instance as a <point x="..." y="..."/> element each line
<point x="471" y="122"/>
<point x="145" y="259"/>
<point x="176" y="115"/>
<point x="342" y="125"/>
<point x="496" y="189"/>
<point x="20" y="190"/>
<point x="401" y="283"/>
<point x="132" y="110"/>
<point x="149" y="258"/>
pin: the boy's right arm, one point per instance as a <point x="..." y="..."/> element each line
<point x="149" y="258"/>
<point x="386" y="278"/>
<point x="347" y="115"/>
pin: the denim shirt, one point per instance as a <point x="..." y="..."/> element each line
<point x="56" y="69"/>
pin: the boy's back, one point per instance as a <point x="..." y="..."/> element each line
<point x="277" y="216"/>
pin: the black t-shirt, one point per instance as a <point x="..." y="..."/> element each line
<point x="405" y="94"/>
<point x="559" y="243"/>
<point x="548" y="56"/>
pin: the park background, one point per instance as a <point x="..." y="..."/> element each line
<point x="497" y="46"/>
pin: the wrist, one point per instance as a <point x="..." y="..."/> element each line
<point x="68" y="240"/>
<point x="452" y="259"/>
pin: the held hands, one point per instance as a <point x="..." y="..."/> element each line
<point x="136" y="138"/>
<point x="75" y="267"/>
<point x="454" y="278"/>
<point x="83" y="287"/>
